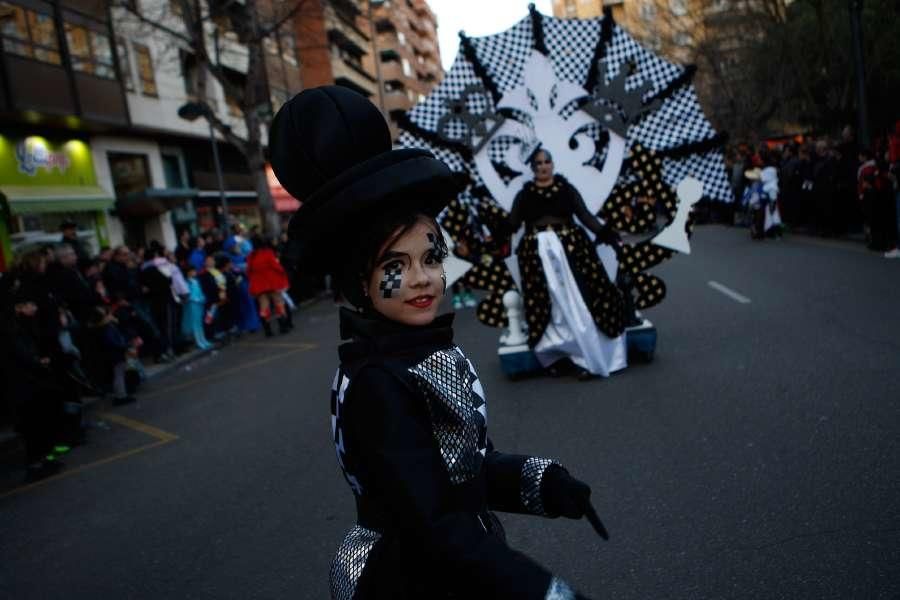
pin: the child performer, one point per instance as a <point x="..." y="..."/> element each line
<point x="408" y="411"/>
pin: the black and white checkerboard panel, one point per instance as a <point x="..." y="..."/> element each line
<point x="571" y="44"/>
<point x="504" y="54"/>
<point x="451" y="158"/>
<point x="708" y="167"/>
<point x="623" y="49"/>
<point x="678" y="121"/>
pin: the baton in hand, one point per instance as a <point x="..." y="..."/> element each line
<point x="591" y="515"/>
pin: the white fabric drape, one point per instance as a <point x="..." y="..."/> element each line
<point x="571" y="331"/>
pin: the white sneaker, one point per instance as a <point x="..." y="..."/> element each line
<point x="895" y="253"/>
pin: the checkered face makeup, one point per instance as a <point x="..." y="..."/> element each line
<point x="392" y="280"/>
<point x="408" y="282"/>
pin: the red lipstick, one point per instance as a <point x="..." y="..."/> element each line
<point x="421" y="301"/>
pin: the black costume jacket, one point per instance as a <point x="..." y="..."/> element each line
<point x="561" y="201"/>
<point x="410" y="429"/>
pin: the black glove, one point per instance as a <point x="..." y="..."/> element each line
<point x="607" y="235"/>
<point x="566" y="496"/>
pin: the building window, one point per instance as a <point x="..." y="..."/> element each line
<point x="91" y="51"/>
<point x="401" y="38"/>
<point x="679" y="7"/>
<point x="288" y="42"/>
<point x="407" y="69"/>
<point x="681" y="38"/>
<point x="29" y="33"/>
<point x="125" y="64"/>
<point x="571" y="9"/>
<point x="145" y="70"/>
<point x="648" y="10"/>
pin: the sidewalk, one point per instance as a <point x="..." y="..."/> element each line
<point x="11" y="449"/>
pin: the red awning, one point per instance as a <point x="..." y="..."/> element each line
<point x="284" y="202"/>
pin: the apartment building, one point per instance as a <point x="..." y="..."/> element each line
<point x="335" y="45"/>
<point x="89" y="125"/>
<point x="409" y="59"/>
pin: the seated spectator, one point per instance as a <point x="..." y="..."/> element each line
<point x="108" y="348"/>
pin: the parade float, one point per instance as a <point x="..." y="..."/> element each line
<point x="624" y="127"/>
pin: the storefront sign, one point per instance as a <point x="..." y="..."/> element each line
<point x="33" y="155"/>
<point x="35" y="160"/>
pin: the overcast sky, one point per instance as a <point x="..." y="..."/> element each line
<point x="477" y="18"/>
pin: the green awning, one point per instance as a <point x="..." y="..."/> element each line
<point x="30" y="199"/>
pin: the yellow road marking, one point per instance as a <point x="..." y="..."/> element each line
<point x="226" y="372"/>
<point x="162" y="438"/>
<point x="150" y="430"/>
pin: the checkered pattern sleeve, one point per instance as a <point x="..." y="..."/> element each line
<point x="514" y="482"/>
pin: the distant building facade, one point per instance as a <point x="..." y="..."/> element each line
<point x="408" y="55"/>
<point x="89" y="125"/>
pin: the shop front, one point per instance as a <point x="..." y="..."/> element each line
<point x="285" y="204"/>
<point x="43" y="182"/>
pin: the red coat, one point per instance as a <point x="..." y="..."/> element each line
<point x="265" y="272"/>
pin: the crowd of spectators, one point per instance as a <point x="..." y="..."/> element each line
<point x="75" y="325"/>
<point x="828" y="187"/>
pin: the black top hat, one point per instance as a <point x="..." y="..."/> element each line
<point x="331" y="149"/>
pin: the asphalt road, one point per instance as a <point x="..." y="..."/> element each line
<point x="757" y="457"/>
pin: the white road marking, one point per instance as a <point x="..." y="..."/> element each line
<point x="729" y="292"/>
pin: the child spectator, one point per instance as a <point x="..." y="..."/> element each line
<point x="194" y="309"/>
<point x="214" y="287"/>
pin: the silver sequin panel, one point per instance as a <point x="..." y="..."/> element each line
<point x="347" y="565"/>
<point x="457" y="409"/>
<point x="532" y="475"/>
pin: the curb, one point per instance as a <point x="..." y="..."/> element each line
<point x="158" y="370"/>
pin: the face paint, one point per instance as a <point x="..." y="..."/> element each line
<point x="392" y="279"/>
<point x="406" y="283"/>
<point x="438" y="249"/>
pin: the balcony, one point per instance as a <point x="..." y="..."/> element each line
<point x="39" y="86"/>
<point x="391" y="70"/>
<point x="347" y="37"/>
<point x="396" y="101"/>
<point x="101" y="99"/>
<point x="353" y="77"/>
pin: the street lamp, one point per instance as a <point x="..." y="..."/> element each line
<point x="192" y="111"/>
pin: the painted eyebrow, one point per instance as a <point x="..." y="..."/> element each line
<point x="391" y="254"/>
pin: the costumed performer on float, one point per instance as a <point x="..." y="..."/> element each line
<point x="408" y="411"/>
<point x="571" y="307"/>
